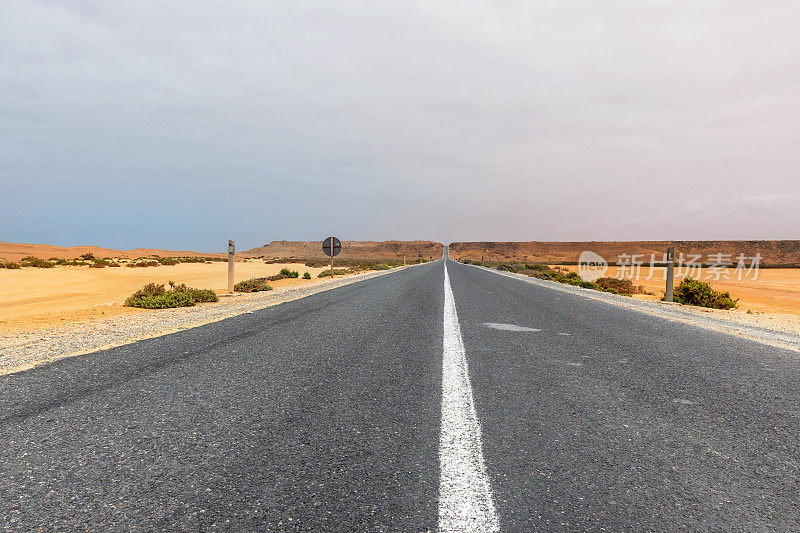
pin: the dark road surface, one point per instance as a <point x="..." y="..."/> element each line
<point x="324" y="414"/>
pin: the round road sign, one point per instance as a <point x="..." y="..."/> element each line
<point x="331" y="246"/>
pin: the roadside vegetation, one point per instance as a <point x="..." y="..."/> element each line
<point x="625" y="287"/>
<point x="688" y="292"/>
<point x="137" y="263"/>
<point x="105" y="262"/>
<point x="157" y="296"/>
<point x="253" y="285"/>
<point x="35" y="262"/>
<point x="347" y="266"/>
<point x="352" y="264"/>
<point x="154" y="261"/>
<point x="289" y="273"/>
<point x="91" y="261"/>
<point x="336" y="272"/>
<point x="67" y="262"/>
<point x="693" y="292"/>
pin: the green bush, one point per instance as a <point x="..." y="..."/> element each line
<point x="382" y="266"/>
<point x="143" y="264"/>
<point x="193" y="259"/>
<point x="198" y="295"/>
<point x="151" y="290"/>
<point x="88" y="256"/>
<point x="289" y="273"/>
<point x="67" y="262"/>
<point x="164" y="301"/>
<point x="336" y="271"/>
<point x="619" y="286"/>
<point x="543" y="271"/>
<point x="353" y="264"/>
<point x="539" y="267"/>
<point x="9" y="264"/>
<point x="168" y="261"/>
<point x="252" y="285"/>
<point x="100" y="263"/>
<point x="693" y="292"/>
<point x="32" y="261"/>
<point x="306" y="276"/>
<point x="156" y="296"/>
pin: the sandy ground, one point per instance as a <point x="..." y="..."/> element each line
<point x="38" y="297"/>
<point x="777" y="290"/>
<point x="25" y="348"/>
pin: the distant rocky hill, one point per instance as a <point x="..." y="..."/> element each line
<point x="773" y="253"/>
<point x="351" y="249"/>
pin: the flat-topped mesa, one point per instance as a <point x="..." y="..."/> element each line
<point x="351" y="249"/>
<point x="773" y="253"/>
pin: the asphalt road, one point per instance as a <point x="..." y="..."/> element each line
<point x="326" y="413"/>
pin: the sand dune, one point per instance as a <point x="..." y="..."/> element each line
<point x="10" y="251"/>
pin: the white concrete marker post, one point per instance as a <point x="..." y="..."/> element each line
<point x="231" y="252"/>
<point x="670" y="273"/>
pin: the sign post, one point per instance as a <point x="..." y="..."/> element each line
<point x="670" y="273"/>
<point x="331" y="246"/>
<point x="231" y="251"/>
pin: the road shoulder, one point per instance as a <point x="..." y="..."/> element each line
<point x="26" y="350"/>
<point x="785" y="335"/>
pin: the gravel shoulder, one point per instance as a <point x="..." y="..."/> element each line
<point x="774" y="329"/>
<point x="24" y="350"/>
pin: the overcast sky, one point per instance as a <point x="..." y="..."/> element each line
<point x="183" y="124"/>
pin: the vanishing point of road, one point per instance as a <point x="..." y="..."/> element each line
<point x="442" y="396"/>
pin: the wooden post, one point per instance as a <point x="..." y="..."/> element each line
<point x="670" y="273"/>
<point x="404" y="259"/>
<point x="231" y="251"/>
<point x="331" y="256"/>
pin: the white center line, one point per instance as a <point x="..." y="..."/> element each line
<point x="465" y="497"/>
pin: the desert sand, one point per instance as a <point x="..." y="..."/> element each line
<point x="37" y="297"/>
<point x="777" y="290"/>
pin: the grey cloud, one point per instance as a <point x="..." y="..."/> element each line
<point x="452" y="121"/>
